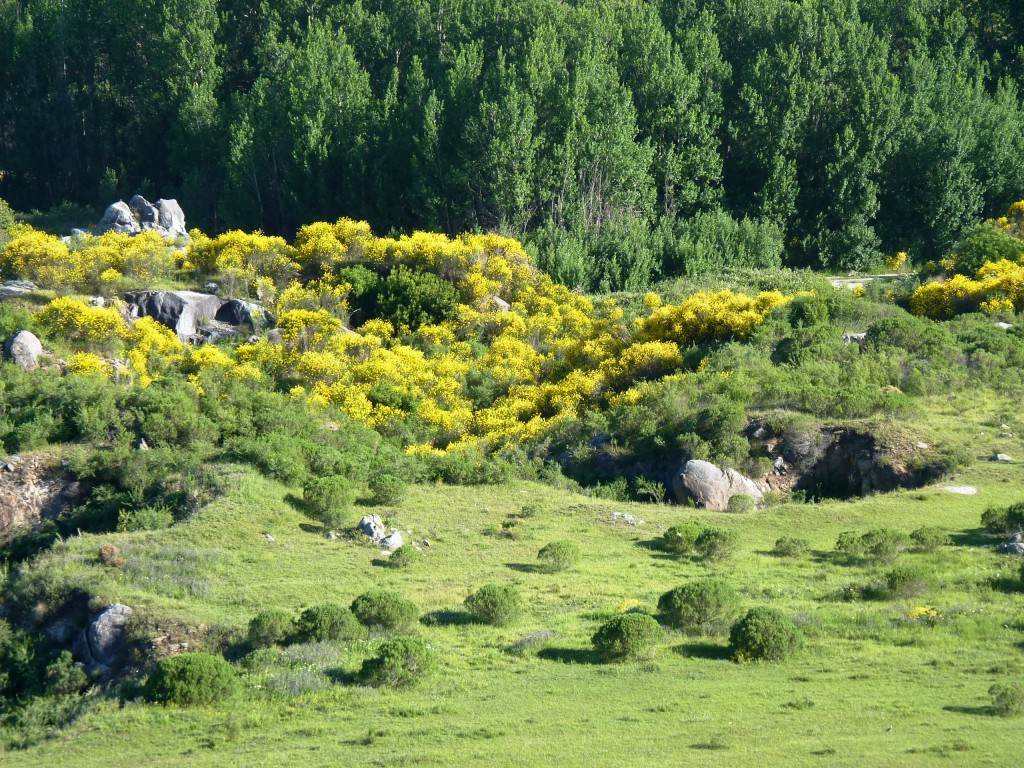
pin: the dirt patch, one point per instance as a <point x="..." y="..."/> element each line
<point x="33" y="489"/>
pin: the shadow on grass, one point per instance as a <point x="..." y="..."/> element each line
<point x="570" y="655"/>
<point x="525" y="567"/>
<point x="341" y="676"/>
<point x="714" y="744"/>
<point x="976" y="711"/>
<point x="446" y="618"/>
<point x="1009" y="586"/>
<point x="709" y="651"/>
<point x="310" y="528"/>
<point x="974" y="537"/>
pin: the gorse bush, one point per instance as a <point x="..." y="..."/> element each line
<point x="328" y="622"/>
<point x="1007" y="698"/>
<point x="1004" y="520"/>
<point x="628" y="635"/>
<point x="741" y="503"/>
<point x="388" y="489"/>
<point x="495" y="604"/>
<point x="403" y="557"/>
<point x="706" y="606"/>
<point x="906" y="581"/>
<point x="680" y="539"/>
<point x="790" y="546"/>
<point x="192" y="679"/>
<point x="764" y="634"/>
<point x="559" y="556"/>
<point x="716" y="543"/>
<point x="385" y="609"/>
<point x="881" y="545"/>
<point x="400" y="662"/>
<point x="270" y="627"/>
<point x="929" y="539"/>
<point x="331" y="499"/>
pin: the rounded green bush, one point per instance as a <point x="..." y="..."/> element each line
<point x="270" y="627"/>
<point x="328" y="622"/>
<point x="679" y="539"/>
<point x="331" y="499"/>
<point x="1007" y="699"/>
<point x="764" y="634"/>
<point x="704" y="605"/>
<point x="400" y="662"/>
<point x="741" y="503"/>
<point x="628" y="635"/>
<point x="385" y="609"/>
<point x="388" y="489"/>
<point x="788" y="546"/>
<point x="559" y="556"/>
<point x="192" y="679"/>
<point x="495" y="604"/>
<point x="929" y="538"/>
<point x="716" y="543"/>
<point x="906" y="581"/>
<point x="402" y="557"/>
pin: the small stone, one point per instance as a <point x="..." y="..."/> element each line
<point x="1004" y="326"/>
<point x="923" y="446"/>
<point x="268" y="537"/>
<point x="1004" y="426"/>
<point x="1006" y="434"/>
<point x="392" y="542"/>
<point x="425" y="543"/>
<point x="142" y="445"/>
<point x="963" y="490"/>
<point x="1003" y="457"/>
<point x="332" y="535"/>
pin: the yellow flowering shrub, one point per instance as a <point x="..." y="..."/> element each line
<point x="239" y="259"/>
<point x="999" y="288"/>
<point x="708" y="316"/>
<point x="73" y="320"/>
<point x="88" y="364"/>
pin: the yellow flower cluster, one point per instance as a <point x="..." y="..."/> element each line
<point x="999" y="288"/>
<point x="244" y="262"/>
<point x="709" y="316"/>
<point x="71" y="319"/>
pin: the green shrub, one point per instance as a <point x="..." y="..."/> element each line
<point x="270" y="627"/>
<point x="741" y="503"/>
<point x="328" y="622"/>
<point x="1004" y="520"/>
<point x="716" y="543"/>
<point x="63" y="678"/>
<point x="412" y="298"/>
<point x="403" y="557"/>
<point x="331" y="499"/>
<point x="628" y="635"/>
<point x="559" y="556"/>
<point x="929" y="539"/>
<point x="495" y="604"/>
<point x="192" y="679"/>
<point x="400" y="662"/>
<point x="788" y="546"/>
<point x="145" y="519"/>
<point x="849" y="545"/>
<point x="906" y="581"/>
<point x="883" y="545"/>
<point x="1007" y="699"/>
<point x="679" y="539"/>
<point x="764" y="634"/>
<point x="385" y="609"/>
<point x="707" y="606"/>
<point x="388" y="489"/>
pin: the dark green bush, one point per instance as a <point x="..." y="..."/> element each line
<point x="145" y="519"/>
<point x="849" y="545"/>
<point x="707" y="606"/>
<point x="1004" y="520"/>
<point x="328" y="622"/>
<point x="929" y="539"/>
<point x="716" y="543"/>
<point x="400" y="662"/>
<point x="403" y="557"/>
<point x="741" y="503"/>
<point x="628" y="635"/>
<point x="63" y="678"/>
<point x="331" y="499"/>
<point x="385" y="609"/>
<point x="789" y="546"/>
<point x="495" y="604"/>
<point x="192" y="679"/>
<point x="388" y="489"/>
<point x="680" y="539"/>
<point x="559" y="556"/>
<point x="271" y="627"/>
<point x="906" y="581"/>
<point x="413" y="298"/>
<point x="883" y="545"/>
<point x="1007" y="699"/>
<point x="764" y="634"/>
<point x="985" y="242"/>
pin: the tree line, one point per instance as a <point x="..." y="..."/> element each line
<point x="623" y="140"/>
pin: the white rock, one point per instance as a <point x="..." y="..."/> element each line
<point x="963" y="490"/>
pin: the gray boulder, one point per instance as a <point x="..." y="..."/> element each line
<point x="1014" y="548"/>
<point x="711" y="487"/>
<point x="238" y="312"/>
<point x="181" y="311"/>
<point x="145" y="212"/>
<point x="171" y="219"/>
<point x="24" y="349"/>
<point x="372" y="526"/>
<point x="10" y="289"/>
<point x="118" y="218"/>
<point x="392" y="542"/>
<point x="107" y="634"/>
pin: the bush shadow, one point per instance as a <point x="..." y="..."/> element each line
<point x="973" y="537"/>
<point x="1007" y="585"/>
<point x="525" y="567"/>
<point x="708" y="651"/>
<point x="446" y="618"/>
<point x="985" y="711"/>
<point x="340" y="676"/>
<point x="300" y="505"/>
<point x="570" y="655"/>
<point x="310" y="528"/>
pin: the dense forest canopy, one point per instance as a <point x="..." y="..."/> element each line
<point x="622" y="139"/>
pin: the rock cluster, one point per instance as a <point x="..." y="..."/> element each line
<point x="711" y="487"/>
<point x="139" y="215"/>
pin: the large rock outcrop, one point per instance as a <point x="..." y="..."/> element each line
<point x="33" y="489"/>
<point x="24" y="349"/>
<point x="139" y="215"/>
<point x="102" y="641"/>
<point x="181" y="311"/>
<point x="118" y="218"/>
<point x="710" y="486"/>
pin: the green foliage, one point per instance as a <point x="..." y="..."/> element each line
<point x="704" y="606"/>
<point x="388" y="489"/>
<point x="192" y="679"/>
<point x="403" y="557"/>
<point x="628" y="635"/>
<point x="929" y="538"/>
<point x="881" y="545"/>
<point x="385" y="609"/>
<point x="905" y="581"/>
<point x="764" y="634"/>
<point x="145" y="519"/>
<point x="680" y="539"/>
<point x="1007" y="699"/>
<point x="408" y="297"/>
<point x="63" y="678"/>
<point x="716" y="543"/>
<point x="495" y="604"/>
<point x="982" y="243"/>
<point x="790" y="546"/>
<point x="741" y="503"/>
<point x="1004" y="520"/>
<point x="558" y="556"/>
<point x="331" y="499"/>
<point x="270" y="627"/>
<point x="328" y="623"/>
<point x="400" y="662"/>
